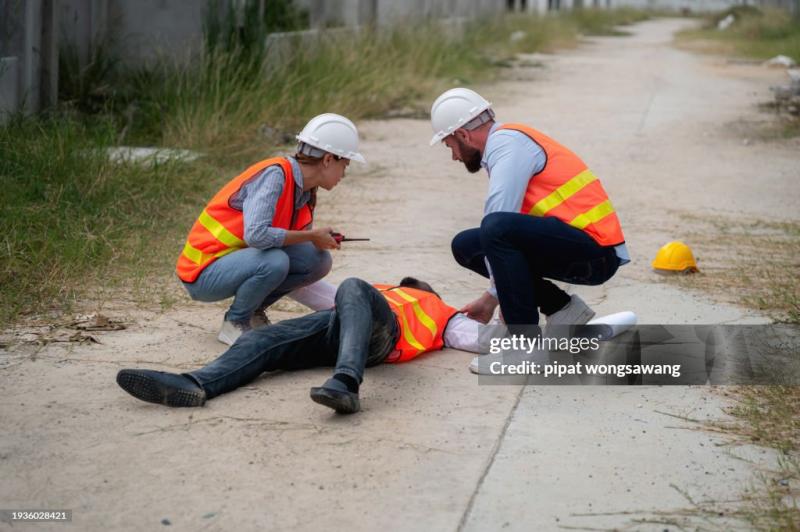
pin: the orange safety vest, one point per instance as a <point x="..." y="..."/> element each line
<point x="422" y="317"/>
<point x="568" y="190"/>
<point x="220" y="228"/>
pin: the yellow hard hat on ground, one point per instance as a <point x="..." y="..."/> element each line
<point x="675" y="256"/>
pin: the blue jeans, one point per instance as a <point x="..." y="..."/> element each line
<point x="360" y="331"/>
<point x="524" y="251"/>
<point x="256" y="278"/>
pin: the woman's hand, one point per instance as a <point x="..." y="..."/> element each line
<point x="482" y="308"/>
<point x="323" y="239"/>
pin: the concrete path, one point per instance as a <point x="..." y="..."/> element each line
<point x="432" y="450"/>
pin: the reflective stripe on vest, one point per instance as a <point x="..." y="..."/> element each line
<point x="569" y="191"/>
<point x="422" y="317"/>
<point x="219" y="229"/>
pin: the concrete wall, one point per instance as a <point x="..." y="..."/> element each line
<point x="139" y="31"/>
<point x="82" y="23"/>
<point x="383" y="12"/>
<point x="28" y="55"/>
<point x="143" y="30"/>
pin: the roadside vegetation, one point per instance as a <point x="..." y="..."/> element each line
<point x="755" y="32"/>
<point x="761" y="271"/>
<point x="76" y="224"/>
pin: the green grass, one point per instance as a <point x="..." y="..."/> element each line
<point x="755" y="33"/>
<point x="70" y="216"/>
<point x="606" y="22"/>
<point x="75" y="223"/>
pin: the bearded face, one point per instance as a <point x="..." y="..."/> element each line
<point x="471" y="157"/>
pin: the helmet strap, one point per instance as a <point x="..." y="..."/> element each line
<point x="311" y="151"/>
<point x="485" y="116"/>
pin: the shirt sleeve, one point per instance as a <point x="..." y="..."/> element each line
<point x="260" y="197"/>
<point x="463" y="333"/>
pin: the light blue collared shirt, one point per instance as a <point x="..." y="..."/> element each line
<point x="511" y="158"/>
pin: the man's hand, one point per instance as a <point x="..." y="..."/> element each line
<point x="322" y="238"/>
<point x="482" y="308"/>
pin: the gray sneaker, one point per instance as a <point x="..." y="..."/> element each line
<point x="577" y="312"/>
<point x="232" y="330"/>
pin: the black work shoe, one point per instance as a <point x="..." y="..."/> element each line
<point x="334" y="394"/>
<point x="161" y="388"/>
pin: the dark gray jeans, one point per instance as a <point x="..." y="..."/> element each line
<point x="360" y="331"/>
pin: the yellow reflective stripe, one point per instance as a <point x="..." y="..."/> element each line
<point x="562" y="193"/>
<point x="193" y="254"/>
<point x="593" y="215"/>
<point x="200" y="258"/>
<point x="424" y="319"/>
<point x="407" y="334"/>
<point x="219" y="231"/>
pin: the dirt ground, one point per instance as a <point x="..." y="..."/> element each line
<point x="673" y="136"/>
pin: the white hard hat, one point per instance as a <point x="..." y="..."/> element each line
<point x="332" y="133"/>
<point x="453" y="110"/>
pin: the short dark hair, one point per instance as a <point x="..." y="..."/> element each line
<point x="411" y="282"/>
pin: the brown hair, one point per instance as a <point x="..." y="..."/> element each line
<point x="307" y="159"/>
<point x="311" y="161"/>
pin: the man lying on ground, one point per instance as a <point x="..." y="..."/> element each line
<point x="368" y="326"/>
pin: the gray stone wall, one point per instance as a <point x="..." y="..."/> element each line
<point x="140" y="31"/>
<point x="31" y="30"/>
<point x="28" y="55"/>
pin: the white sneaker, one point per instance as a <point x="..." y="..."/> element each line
<point x="577" y="312"/>
<point x="231" y="331"/>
